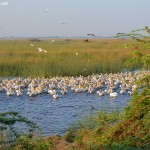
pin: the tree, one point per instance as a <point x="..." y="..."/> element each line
<point x="141" y="60"/>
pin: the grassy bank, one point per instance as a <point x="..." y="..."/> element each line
<point x="128" y="130"/>
<point x="63" y="57"/>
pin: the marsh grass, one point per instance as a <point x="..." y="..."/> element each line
<point x="74" y="57"/>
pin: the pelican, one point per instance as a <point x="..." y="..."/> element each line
<point x="48" y="10"/>
<point x="122" y="91"/>
<point x="19" y="92"/>
<point x="113" y="94"/>
<point x="52" y="92"/>
<point x="10" y="92"/>
<point x="125" y="46"/>
<point x="90" y="90"/>
<point x="130" y="92"/>
<point x="52" y="41"/>
<point x="100" y="93"/>
<point x="55" y="96"/>
<point x="45" y="51"/>
<point x="40" y="49"/>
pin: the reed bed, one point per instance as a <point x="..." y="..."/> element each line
<point x="72" y="58"/>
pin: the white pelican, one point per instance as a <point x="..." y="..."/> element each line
<point x="40" y="49"/>
<point x="113" y="94"/>
<point x="19" y="93"/>
<point x="10" y="92"/>
<point x="45" y="51"/>
<point x="52" y="41"/>
<point x="122" y="91"/>
<point x="55" y="96"/>
<point x="100" y="93"/>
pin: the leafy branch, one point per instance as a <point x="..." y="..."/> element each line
<point x="9" y="119"/>
<point x="140" y="59"/>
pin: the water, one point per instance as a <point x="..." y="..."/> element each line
<point x="55" y="116"/>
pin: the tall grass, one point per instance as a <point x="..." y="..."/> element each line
<point x="75" y="57"/>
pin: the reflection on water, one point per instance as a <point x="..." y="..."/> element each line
<point x="55" y="116"/>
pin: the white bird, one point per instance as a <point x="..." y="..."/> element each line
<point x="10" y="92"/>
<point x="44" y="51"/>
<point x="100" y="93"/>
<point x="19" y="93"/>
<point x="52" y="92"/>
<point x="40" y="49"/>
<point x="76" y="53"/>
<point x="52" y="41"/>
<point x="55" y="96"/>
<point x="125" y="46"/>
<point x="113" y="94"/>
<point x="31" y="45"/>
<point x="130" y="92"/>
<point x="48" y="10"/>
<point x="122" y="91"/>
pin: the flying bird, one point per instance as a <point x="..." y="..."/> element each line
<point x="64" y="23"/>
<point x="120" y="33"/>
<point x="91" y="34"/>
<point x="125" y="46"/>
<point x="52" y="41"/>
<point x="48" y="10"/>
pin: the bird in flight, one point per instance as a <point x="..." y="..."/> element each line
<point x="120" y="33"/>
<point x="91" y="34"/>
<point x="48" y="10"/>
<point x="64" y="23"/>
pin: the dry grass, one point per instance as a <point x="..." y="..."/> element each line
<point x="74" y="57"/>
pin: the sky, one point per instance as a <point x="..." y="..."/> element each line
<point x="72" y="18"/>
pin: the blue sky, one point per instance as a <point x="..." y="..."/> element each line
<point x="68" y="18"/>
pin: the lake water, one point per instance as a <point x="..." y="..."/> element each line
<point x="55" y="116"/>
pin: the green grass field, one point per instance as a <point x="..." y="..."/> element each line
<point x="72" y="57"/>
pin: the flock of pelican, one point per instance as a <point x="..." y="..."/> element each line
<point x="101" y="84"/>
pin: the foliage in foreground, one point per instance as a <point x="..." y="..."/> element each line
<point x="132" y="130"/>
<point x="9" y="132"/>
<point x="26" y="143"/>
<point x="142" y="36"/>
<point x="127" y="130"/>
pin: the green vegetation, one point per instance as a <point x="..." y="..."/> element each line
<point x="74" y="57"/>
<point x="27" y="143"/>
<point x="9" y="132"/>
<point x="130" y="129"/>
